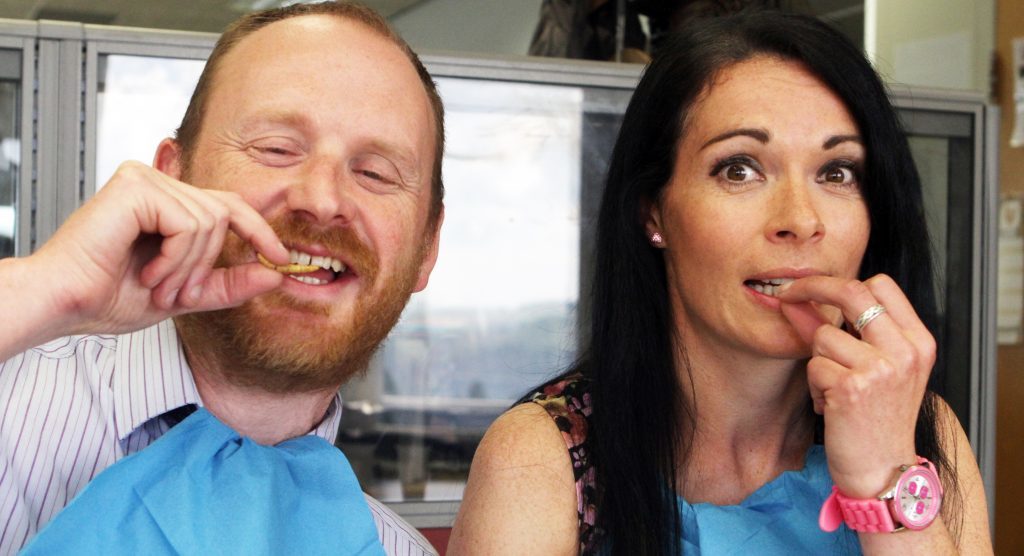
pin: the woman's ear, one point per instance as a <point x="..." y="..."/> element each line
<point x="651" y="213"/>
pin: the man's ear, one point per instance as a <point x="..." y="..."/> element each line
<point x="168" y="158"/>
<point x="430" y="257"/>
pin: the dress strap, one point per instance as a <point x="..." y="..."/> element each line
<point x="567" y="401"/>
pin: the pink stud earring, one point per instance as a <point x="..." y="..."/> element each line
<point x="657" y="240"/>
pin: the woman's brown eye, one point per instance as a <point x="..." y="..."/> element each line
<point x="836" y="175"/>
<point x="737" y="172"/>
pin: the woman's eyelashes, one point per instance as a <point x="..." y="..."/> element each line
<point x="737" y="170"/>
<point x="741" y="170"/>
<point x="842" y="173"/>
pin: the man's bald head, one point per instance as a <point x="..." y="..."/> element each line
<point x="187" y="134"/>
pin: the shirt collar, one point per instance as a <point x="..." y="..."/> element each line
<point x="152" y="376"/>
<point x="328" y="428"/>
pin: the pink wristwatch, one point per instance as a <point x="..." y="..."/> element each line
<point x="912" y="502"/>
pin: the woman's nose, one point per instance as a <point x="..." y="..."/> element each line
<point x="793" y="215"/>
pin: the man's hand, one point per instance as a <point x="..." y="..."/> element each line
<point x="140" y="251"/>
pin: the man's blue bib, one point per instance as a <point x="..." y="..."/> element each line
<point x="203" y="489"/>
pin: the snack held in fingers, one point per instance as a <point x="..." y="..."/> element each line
<point x="293" y="268"/>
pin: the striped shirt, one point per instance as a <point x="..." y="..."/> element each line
<point x="72" y="407"/>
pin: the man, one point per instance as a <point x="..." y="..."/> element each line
<point x="314" y="137"/>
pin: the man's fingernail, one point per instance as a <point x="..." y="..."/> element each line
<point x="782" y="287"/>
<point x="171" y="297"/>
<point x="195" y="292"/>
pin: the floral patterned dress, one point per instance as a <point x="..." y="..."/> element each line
<point x="779" y="518"/>
<point x="567" y="401"/>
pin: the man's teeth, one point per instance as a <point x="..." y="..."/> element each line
<point x="307" y="279"/>
<point x="769" y="287"/>
<point x="326" y="263"/>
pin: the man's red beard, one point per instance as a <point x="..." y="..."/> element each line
<point x="255" y="349"/>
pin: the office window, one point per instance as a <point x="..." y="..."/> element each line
<point x="10" y="148"/>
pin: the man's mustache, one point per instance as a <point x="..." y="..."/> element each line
<point x="341" y="242"/>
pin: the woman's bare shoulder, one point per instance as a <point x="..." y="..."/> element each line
<point x="521" y="496"/>
<point x="526" y="434"/>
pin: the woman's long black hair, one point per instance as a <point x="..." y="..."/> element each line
<point x="641" y="423"/>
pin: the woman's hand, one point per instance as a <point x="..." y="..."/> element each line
<point x="870" y="386"/>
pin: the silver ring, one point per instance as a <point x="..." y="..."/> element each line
<point x="867" y="316"/>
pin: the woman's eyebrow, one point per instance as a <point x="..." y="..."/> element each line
<point x="836" y="140"/>
<point x="760" y="135"/>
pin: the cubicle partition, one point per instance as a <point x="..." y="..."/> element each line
<point x="528" y="144"/>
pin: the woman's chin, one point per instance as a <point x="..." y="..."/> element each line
<point x="786" y="346"/>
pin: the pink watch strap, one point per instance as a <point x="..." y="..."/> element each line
<point x="867" y="515"/>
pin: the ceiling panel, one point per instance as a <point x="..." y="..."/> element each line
<point x="207" y="15"/>
<point x="213" y="15"/>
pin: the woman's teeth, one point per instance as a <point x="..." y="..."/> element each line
<point x="769" y="287"/>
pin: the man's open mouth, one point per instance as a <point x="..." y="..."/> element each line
<point x="308" y="269"/>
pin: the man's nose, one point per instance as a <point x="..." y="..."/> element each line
<point x="793" y="215"/>
<point x="325" y="193"/>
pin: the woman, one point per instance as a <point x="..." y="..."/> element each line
<point x="755" y="336"/>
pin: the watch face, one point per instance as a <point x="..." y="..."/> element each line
<point x="918" y="497"/>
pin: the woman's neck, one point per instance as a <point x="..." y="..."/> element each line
<point x="752" y="422"/>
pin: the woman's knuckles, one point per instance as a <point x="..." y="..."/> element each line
<point x="820" y="337"/>
<point x="882" y="378"/>
<point x="854" y="290"/>
<point x="906" y="359"/>
<point x="880" y="282"/>
<point x="884" y="370"/>
<point x="851" y="390"/>
<point x="925" y="346"/>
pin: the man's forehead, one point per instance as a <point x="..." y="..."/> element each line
<point x="316" y="34"/>
<point x="319" y="51"/>
<point x="326" y="73"/>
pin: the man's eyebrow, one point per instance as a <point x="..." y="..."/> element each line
<point x="288" y="119"/>
<point x="836" y="140"/>
<point x="759" y="135"/>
